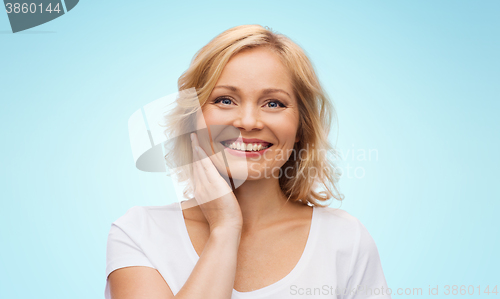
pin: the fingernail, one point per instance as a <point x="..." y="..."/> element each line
<point x="200" y="151"/>
<point x="192" y="136"/>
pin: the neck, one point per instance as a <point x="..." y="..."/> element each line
<point x="261" y="202"/>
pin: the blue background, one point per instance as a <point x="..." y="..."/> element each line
<point x="416" y="81"/>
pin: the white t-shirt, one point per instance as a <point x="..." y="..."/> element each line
<point x="340" y="259"/>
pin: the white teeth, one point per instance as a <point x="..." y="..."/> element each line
<point x="245" y="146"/>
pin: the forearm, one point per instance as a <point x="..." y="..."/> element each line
<point x="215" y="270"/>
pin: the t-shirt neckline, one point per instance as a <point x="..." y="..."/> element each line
<point x="311" y="240"/>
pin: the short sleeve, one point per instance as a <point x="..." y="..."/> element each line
<point x="123" y="245"/>
<point x="366" y="279"/>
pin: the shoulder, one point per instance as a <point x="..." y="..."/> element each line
<point x="336" y="212"/>
<point x="338" y="218"/>
<point x="133" y="214"/>
<point x="354" y="245"/>
<point x="138" y="217"/>
<point x="341" y="225"/>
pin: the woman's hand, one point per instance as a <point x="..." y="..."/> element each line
<point x="212" y="193"/>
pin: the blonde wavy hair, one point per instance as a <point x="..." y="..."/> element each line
<point x="315" y="109"/>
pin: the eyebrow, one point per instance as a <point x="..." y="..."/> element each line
<point x="265" y="91"/>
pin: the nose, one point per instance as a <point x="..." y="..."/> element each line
<point x="248" y="118"/>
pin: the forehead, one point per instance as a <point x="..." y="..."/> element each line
<point x="256" y="68"/>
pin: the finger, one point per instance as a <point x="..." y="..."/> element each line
<point x="195" y="177"/>
<point x="200" y="182"/>
<point x="214" y="177"/>
<point x="198" y="169"/>
<point x="210" y="175"/>
<point x="206" y="163"/>
<point x="201" y="173"/>
<point x="194" y="139"/>
<point x="193" y="147"/>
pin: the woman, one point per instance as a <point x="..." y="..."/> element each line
<point x="255" y="225"/>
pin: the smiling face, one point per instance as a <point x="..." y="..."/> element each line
<point x="254" y="99"/>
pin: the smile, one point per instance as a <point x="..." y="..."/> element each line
<point x="246" y="147"/>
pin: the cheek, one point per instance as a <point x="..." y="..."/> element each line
<point x="209" y="117"/>
<point x="286" y="126"/>
<point x="210" y="125"/>
<point x="202" y="132"/>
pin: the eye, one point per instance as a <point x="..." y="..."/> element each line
<point x="275" y="104"/>
<point x="223" y="100"/>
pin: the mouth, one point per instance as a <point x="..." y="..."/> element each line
<point x="246" y="145"/>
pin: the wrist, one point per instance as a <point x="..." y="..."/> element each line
<point x="226" y="231"/>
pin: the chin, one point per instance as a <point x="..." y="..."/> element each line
<point x="251" y="173"/>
